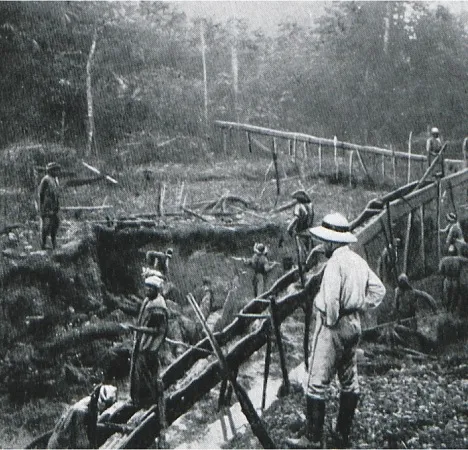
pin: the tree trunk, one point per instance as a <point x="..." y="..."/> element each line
<point x="89" y="95"/>
<point x="205" y="82"/>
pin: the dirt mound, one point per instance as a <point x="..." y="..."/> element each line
<point x="19" y="160"/>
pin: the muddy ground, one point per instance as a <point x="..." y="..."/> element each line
<point x="96" y="271"/>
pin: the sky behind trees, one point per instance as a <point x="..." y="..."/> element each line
<point x="268" y="14"/>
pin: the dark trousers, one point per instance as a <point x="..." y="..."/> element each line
<point x="49" y="227"/>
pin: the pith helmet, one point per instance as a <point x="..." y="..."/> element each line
<point x="434" y="130"/>
<point x="334" y="228"/>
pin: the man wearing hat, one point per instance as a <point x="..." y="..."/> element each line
<point x="454" y="234"/>
<point x="348" y="287"/>
<point x="433" y="148"/>
<point x="159" y="261"/>
<point x="261" y="267"/>
<point x="77" y="427"/>
<point x="303" y="218"/>
<point x="48" y="204"/>
<point x="149" y="334"/>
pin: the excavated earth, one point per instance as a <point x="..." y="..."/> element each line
<point x="59" y="302"/>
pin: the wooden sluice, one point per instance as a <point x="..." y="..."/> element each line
<point x="246" y="335"/>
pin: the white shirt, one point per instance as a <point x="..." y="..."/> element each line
<point x="348" y="284"/>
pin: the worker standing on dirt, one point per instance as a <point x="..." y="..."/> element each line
<point x="303" y="219"/>
<point x="406" y="302"/>
<point x="77" y="427"/>
<point x="454" y="234"/>
<point x="261" y="267"/>
<point x="348" y="287"/>
<point x="48" y="204"/>
<point x="433" y="148"/>
<point x="451" y="267"/>
<point x="158" y="261"/>
<point x="207" y="301"/>
<point x="150" y="333"/>
<point x="388" y="261"/>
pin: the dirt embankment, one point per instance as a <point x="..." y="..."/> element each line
<point x="60" y="312"/>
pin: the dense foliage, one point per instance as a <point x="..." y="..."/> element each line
<point x="365" y="72"/>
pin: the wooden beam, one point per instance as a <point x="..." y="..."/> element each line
<point x="316" y="140"/>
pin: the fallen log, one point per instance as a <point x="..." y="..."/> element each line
<point x="195" y="214"/>
<point x="97" y="171"/>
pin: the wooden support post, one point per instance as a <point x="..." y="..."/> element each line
<point x="266" y="371"/>
<point x="306" y="155"/>
<point x="423" y="239"/>
<point x="275" y="164"/>
<point x="294" y="150"/>
<point x="181" y="193"/>
<point x="289" y="147"/>
<point x="393" y="166"/>
<point x="320" y="157"/>
<point x="383" y="167"/>
<point x="335" y="140"/>
<point x="361" y="161"/>
<point x="249" y="141"/>
<point x="438" y="199"/>
<point x="224" y="141"/>
<point x="408" y="178"/>
<point x="351" y="167"/>
<point x="279" y="343"/>
<point x="407" y="240"/>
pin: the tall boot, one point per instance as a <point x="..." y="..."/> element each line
<point x="348" y="403"/>
<point x="315" y="409"/>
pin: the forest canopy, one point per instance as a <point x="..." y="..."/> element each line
<point x="367" y="72"/>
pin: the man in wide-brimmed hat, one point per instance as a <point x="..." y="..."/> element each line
<point x="303" y="219"/>
<point x="49" y="205"/>
<point x="348" y="287"/>
<point x="261" y="267"/>
<point x="158" y="261"/>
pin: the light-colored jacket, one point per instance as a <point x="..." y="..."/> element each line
<point x="348" y="285"/>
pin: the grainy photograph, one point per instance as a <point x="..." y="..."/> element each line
<point x="233" y="224"/>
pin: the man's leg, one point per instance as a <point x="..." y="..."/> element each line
<point x="54" y="226"/>
<point x="44" y="230"/>
<point x="348" y="376"/>
<point x="321" y="372"/>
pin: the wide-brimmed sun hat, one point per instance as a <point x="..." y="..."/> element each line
<point x="434" y="130"/>
<point x="301" y="196"/>
<point x="53" y="165"/>
<point x="451" y="217"/>
<point x="334" y="228"/>
<point x="154" y="281"/>
<point x="260" y="249"/>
